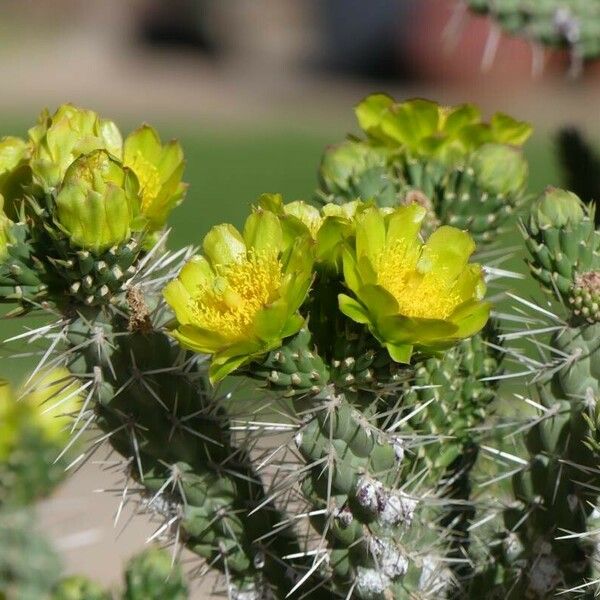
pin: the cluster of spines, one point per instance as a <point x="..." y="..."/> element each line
<point x="18" y="280"/>
<point x="95" y="280"/>
<point x="292" y="369"/>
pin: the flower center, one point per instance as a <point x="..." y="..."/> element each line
<point x="149" y="179"/>
<point x="423" y="295"/>
<point x="240" y="290"/>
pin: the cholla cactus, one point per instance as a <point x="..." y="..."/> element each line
<point x="548" y="544"/>
<point x="365" y="323"/>
<point x="406" y="297"/>
<point x="571" y="24"/>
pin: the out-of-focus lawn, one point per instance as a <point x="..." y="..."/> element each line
<point x="227" y="171"/>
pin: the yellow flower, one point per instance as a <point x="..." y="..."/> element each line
<point x="58" y="140"/>
<point x="422" y="128"/>
<point x="47" y="403"/>
<point x="159" y="170"/>
<point x="97" y="205"/>
<point x="241" y="298"/>
<point x="410" y="294"/>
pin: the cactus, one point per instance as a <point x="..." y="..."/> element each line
<point x="151" y="575"/>
<point x="362" y="328"/>
<point x="473" y="179"/>
<point x="571" y="24"/>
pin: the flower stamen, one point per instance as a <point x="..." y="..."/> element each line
<point x="240" y="290"/>
<point x="422" y="295"/>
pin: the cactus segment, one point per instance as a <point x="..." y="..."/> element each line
<point x="142" y="379"/>
<point x="152" y="576"/>
<point x="573" y="24"/>
<point x="293" y="369"/>
<point x="562" y="242"/>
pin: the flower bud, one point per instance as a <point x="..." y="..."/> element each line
<point x="98" y="202"/>
<point x="500" y="169"/>
<point x="60" y="139"/>
<point x="159" y="169"/>
<point x="558" y="208"/>
<point x="14" y="172"/>
<point x="348" y="160"/>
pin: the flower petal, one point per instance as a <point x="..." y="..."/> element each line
<point x="446" y="252"/>
<point x="223" y="245"/>
<point x="470" y="283"/>
<point x="353" y="309"/>
<point x="263" y="231"/>
<point x="470" y="318"/>
<point x="413" y="330"/>
<point x="269" y="322"/>
<point x="379" y="300"/>
<point x="400" y="353"/>
<point x="404" y="225"/>
<point x="198" y="339"/>
<point x="178" y="298"/>
<point x="370" y="234"/>
<point x="219" y="370"/>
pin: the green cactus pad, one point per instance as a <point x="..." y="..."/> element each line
<point x="561" y="241"/>
<point x="23" y="277"/>
<point x="293" y="369"/>
<point x="360" y="364"/>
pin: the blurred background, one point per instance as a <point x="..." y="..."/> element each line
<point x="255" y="89"/>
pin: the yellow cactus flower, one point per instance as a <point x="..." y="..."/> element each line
<point x="53" y="399"/>
<point x="58" y="140"/>
<point x="410" y="294"/>
<point x="159" y="169"/>
<point x="98" y="202"/>
<point x="424" y="128"/>
<point x="241" y="299"/>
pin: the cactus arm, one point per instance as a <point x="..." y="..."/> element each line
<point x="155" y="407"/>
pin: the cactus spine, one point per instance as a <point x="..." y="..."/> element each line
<point x="365" y="325"/>
<point x="570" y="24"/>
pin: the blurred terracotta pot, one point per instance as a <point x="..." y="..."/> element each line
<point x="448" y="47"/>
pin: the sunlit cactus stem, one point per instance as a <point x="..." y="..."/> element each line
<point x="154" y="406"/>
